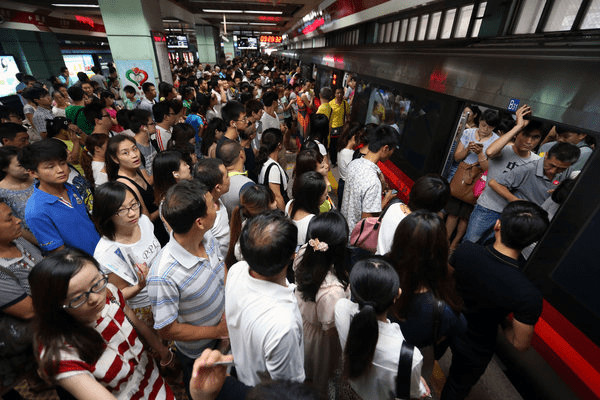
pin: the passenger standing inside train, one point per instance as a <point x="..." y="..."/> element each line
<point x="503" y="156"/>
<point x="471" y="150"/>
<point x="340" y="114"/>
<point x="186" y="283"/>
<point x="364" y="188"/>
<point x="574" y="137"/>
<point x="536" y="180"/>
<point x="265" y="324"/>
<point x="491" y="283"/>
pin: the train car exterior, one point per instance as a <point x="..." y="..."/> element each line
<point x="555" y="82"/>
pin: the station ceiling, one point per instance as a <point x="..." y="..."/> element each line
<point x="273" y="16"/>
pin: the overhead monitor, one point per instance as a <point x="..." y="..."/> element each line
<point x="8" y="70"/>
<point x="177" y="42"/>
<point x="247" y="43"/>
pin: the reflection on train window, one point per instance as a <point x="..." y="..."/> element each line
<point x="412" y="29"/>
<point x="529" y="16"/>
<point x="448" y="23"/>
<point x="423" y="26"/>
<point x="403" y="30"/>
<point x="562" y="15"/>
<point x="395" y="31"/>
<point x="592" y="17"/>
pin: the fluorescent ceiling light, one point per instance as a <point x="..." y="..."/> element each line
<point x="266" y="33"/>
<point x="170" y="20"/>
<point x="77" y="5"/>
<point x="263" y="12"/>
<point x="235" y="23"/>
<point x="221" y="11"/>
<point x="262" y="23"/>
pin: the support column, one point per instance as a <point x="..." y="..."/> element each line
<point x="36" y="53"/>
<point x="128" y="25"/>
<point x="205" y="39"/>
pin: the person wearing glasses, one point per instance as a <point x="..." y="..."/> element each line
<point x="99" y="118"/>
<point x="89" y="340"/>
<point x="127" y="246"/>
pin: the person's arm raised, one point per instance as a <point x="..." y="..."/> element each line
<point x="495" y="148"/>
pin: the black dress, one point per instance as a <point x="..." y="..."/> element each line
<point x="148" y="199"/>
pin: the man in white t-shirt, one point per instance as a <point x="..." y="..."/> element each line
<point x="212" y="173"/>
<point x="263" y="319"/>
<point x="269" y="118"/>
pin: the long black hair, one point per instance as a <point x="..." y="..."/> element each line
<point x="374" y="284"/>
<point x="307" y="193"/>
<point x="330" y="228"/>
<point x="54" y="328"/>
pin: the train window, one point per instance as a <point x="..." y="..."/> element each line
<point x="412" y="29"/>
<point x="434" y="25"/>
<point x="381" y="32"/>
<point x="403" y="30"/>
<point x="388" y="31"/>
<point x="423" y="26"/>
<point x="592" y="16"/>
<point x="464" y="18"/>
<point x="395" y="31"/>
<point x="562" y="15"/>
<point x="478" y="19"/>
<point x="448" y="23"/>
<point x="529" y="16"/>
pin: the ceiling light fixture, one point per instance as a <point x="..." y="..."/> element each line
<point x="235" y="23"/>
<point x="263" y="12"/>
<point x="262" y="23"/>
<point x="76" y="5"/>
<point x="174" y="21"/>
<point x="211" y="10"/>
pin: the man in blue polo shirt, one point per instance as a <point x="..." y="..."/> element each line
<point x="55" y="212"/>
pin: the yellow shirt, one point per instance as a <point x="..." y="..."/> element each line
<point x="325" y="109"/>
<point x="338" y="113"/>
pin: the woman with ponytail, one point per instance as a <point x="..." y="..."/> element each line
<point x="270" y="172"/>
<point x="92" y="159"/>
<point x="254" y="200"/>
<point x="370" y="341"/>
<point x="321" y="279"/>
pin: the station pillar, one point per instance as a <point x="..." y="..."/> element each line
<point x="207" y="44"/>
<point x="131" y="27"/>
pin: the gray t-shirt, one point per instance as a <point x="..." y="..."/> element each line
<point x="585" y="150"/>
<point x="528" y="182"/>
<point x="11" y="290"/>
<point x="231" y="199"/>
<point x="505" y="162"/>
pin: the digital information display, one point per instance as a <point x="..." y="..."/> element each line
<point x="8" y="70"/>
<point x="247" y="43"/>
<point x="79" y="63"/>
<point x="266" y="39"/>
<point x="177" y="42"/>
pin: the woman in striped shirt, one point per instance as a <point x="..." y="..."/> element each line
<point x="88" y="336"/>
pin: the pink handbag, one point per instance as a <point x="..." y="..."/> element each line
<point x="479" y="186"/>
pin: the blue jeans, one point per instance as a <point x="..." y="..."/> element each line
<point x="482" y="220"/>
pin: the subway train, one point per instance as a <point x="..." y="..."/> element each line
<point x="427" y="88"/>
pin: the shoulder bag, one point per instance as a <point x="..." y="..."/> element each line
<point x="461" y="186"/>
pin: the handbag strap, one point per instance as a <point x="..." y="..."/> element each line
<point x="362" y="227"/>
<point x="404" y="371"/>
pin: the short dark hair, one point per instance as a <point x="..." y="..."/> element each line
<point x="231" y="111"/>
<point x="92" y="112"/>
<point x="229" y="152"/>
<point x="318" y="128"/>
<point x="207" y="172"/>
<point x="565" y="152"/>
<point x="307" y="193"/>
<point x="536" y="125"/>
<point x="129" y="89"/>
<point x="268" y="242"/>
<point x="253" y="106"/>
<point x="490" y="117"/>
<point x="44" y="150"/>
<point x="161" y="110"/>
<point x="522" y="223"/>
<point x="9" y="130"/>
<point x="326" y="93"/>
<point x="137" y="118"/>
<point x="268" y="98"/>
<point x="76" y="93"/>
<point x="55" y="126"/>
<point x="184" y="203"/>
<point x="35" y="93"/>
<point x="28" y="78"/>
<point x="108" y="198"/>
<point x="147" y="86"/>
<point x="430" y="192"/>
<point x="384" y="135"/>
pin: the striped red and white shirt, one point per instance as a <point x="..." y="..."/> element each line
<point x="125" y="368"/>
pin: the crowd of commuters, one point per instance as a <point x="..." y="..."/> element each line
<point x="144" y="236"/>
